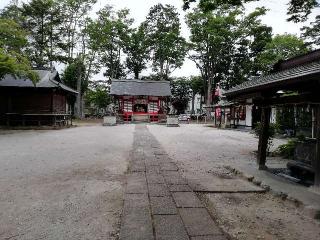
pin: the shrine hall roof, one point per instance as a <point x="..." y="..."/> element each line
<point x="280" y="78"/>
<point x="47" y="79"/>
<point x="140" y="88"/>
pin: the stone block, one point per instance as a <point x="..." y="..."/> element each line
<point x="136" y="223"/>
<point x="210" y="237"/>
<point x="155" y="178"/>
<point x="163" y="206"/>
<point x="169" y="227"/>
<point x="158" y="190"/>
<point x="179" y="188"/>
<point x="198" y="222"/>
<point x="136" y="183"/>
<point x="186" y="200"/>
<point x="168" y="166"/>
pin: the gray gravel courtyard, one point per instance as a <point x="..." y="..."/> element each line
<point x="70" y="183"/>
<point x="64" y="184"/>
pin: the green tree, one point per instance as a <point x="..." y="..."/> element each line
<point x="181" y="94"/>
<point x="98" y="97"/>
<point x="137" y="51"/>
<point x="112" y="29"/>
<point x="12" y="59"/>
<point x="298" y="10"/>
<point x="280" y="48"/>
<point x="311" y="33"/>
<point x="74" y="76"/>
<point x="196" y="86"/>
<point x="224" y="44"/>
<point x="209" y="5"/>
<point x="74" y="14"/>
<point x="41" y="18"/>
<point x="301" y="9"/>
<point x="168" y="48"/>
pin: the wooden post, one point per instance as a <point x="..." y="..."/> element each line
<point x="263" y="138"/>
<point x="317" y="133"/>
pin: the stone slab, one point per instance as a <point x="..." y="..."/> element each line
<point x="163" y="158"/>
<point x="186" y="200"/>
<point x="179" y="188"/>
<point x="137" y="167"/>
<point x="163" y="206"/>
<point x="175" y="180"/>
<point x="198" y="222"/>
<point x="169" y="227"/>
<point x="150" y="163"/>
<point x="153" y="178"/>
<point x="168" y="166"/>
<point x="153" y="169"/>
<point x="158" y="190"/>
<point x="136" y="183"/>
<point x="136" y="222"/>
<point x="159" y="152"/>
<point x="210" y="237"/>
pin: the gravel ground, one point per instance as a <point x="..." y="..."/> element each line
<point x="68" y="184"/>
<point x="201" y="150"/>
<point x="63" y="184"/>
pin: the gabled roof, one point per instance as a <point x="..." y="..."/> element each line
<point x="140" y="88"/>
<point x="280" y="78"/>
<point x="48" y="79"/>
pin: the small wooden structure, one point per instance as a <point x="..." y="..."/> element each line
<point x="46" y="102"/>
<point x="139" y="100"/>
<point x="301" y="77"/>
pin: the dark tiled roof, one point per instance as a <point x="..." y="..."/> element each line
<point x="279" y="77"/>
<point x="48" y="79"/>
<point x="140" y="88"/>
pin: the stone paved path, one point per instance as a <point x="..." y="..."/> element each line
<point x="159" y="204"/>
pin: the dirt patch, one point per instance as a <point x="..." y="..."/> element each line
<point x="252" y="216"/>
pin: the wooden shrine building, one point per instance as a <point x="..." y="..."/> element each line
<point x="294" y="82"/>
<point x="139" y="100"/>
<point x="43" y="103"/>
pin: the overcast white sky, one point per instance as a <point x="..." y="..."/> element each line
<point x="276" y="18"/>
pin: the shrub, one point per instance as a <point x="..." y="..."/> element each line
<point x="271" y="133"/>
<point x="287" y="150"/>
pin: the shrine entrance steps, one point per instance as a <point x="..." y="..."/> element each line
<point x="159" y="204"/>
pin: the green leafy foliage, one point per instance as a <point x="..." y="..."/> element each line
<point x="281" y="47"/>
<point x="72" y="72"/>
<point x="299" y="10"/>
<point x="224" y="45"/>
<point x="12" y="59"/>
<point x="287" y="150"/>
<point x="273" y="127"/>
<point x="136" y="48"/>
<point x="168" y="48"/>
<point x="181" y="94"/>
<point x="209" y="5"/>
<point x="98" y="97"/>
<point x="112" y="30"/>
<point x="41" y="18"/>
<point x="311" y="33"/>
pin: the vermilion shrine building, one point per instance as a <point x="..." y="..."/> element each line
<point x="139" y="100"/>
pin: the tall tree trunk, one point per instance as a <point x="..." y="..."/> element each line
<point x="136" y="74"/>
<point x="192" y="103"/>
<point x="78" y="109"/>
<point x="209" y="93"/>
<point x="209" y="97"/>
